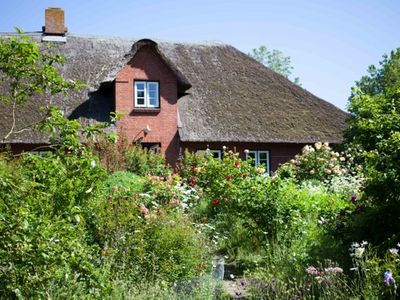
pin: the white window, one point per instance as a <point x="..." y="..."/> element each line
<point x="213" y="153"/>
<point x="147" y="94"/>
<point x="216" y="153"/>
<point x="259" y="157"/>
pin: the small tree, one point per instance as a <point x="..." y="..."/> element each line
<point x="275" y="60"/>
<point x="27" y="69"/>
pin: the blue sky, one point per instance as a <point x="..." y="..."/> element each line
<point x="331" y="43"/>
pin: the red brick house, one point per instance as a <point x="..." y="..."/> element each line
<point x="177" y="96"/>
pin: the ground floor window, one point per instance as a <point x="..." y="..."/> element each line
<point x="259" y="158"/>
<point x="152" y="147"/>
<point x="214" y="153"/>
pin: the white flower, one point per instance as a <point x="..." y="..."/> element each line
<point x="358" y="252"/>
<point x="394" y="251"/>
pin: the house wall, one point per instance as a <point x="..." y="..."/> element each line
<point x="279" y="153"/>
<point x="147" y="65"/>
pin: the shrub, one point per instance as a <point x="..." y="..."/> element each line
<point x="319" y="162"/>
<point x="233" y="200"/>
<point x="46" y="216"/>
<point x="119" y="155"/>
<point x="149" y="236"/>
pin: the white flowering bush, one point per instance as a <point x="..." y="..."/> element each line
<point x="319" y="162"/>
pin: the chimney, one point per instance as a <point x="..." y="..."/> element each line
<point x="54" y="21"/>
<point x="54" y="29"/>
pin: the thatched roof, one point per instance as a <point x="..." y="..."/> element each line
<point x="225" y="95"/>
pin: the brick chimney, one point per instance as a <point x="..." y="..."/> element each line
<point x="54" y="22"/>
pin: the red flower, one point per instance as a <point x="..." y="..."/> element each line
<point x="228" y="177"/>
<point x="215" y="202"/>
<point x="237" y="164"/>
<point x="192" y="181"/>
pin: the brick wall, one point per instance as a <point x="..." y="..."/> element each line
<point x="279" y="153"/>
<point x="147" y="65"/>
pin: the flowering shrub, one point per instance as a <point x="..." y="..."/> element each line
<point x="118" y="154"/>
<point x="319" y="162"/>
<point x="233" y="198"/>
<point x="148" y="239"/>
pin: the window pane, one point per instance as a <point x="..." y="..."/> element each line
<point x="140" y="94"/>
<point x="263" y="157"/>
<point x="216" y="153"/>
<point x="140" y="101"/>
<point x="152" y="90"/>
<point x="153" y="87"/>
<point x="153" y="101"/>
<point x="140" y="86"/>
<point x="251" y="155"/>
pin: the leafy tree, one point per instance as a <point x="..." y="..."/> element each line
<point x="374" y="126"/>
<point x="27" y="69"/>
<point x="275" y="60"/>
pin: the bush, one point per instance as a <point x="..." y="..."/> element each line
<point x="123" y="156"/>
<point x="46" y="220"/>
<point x="155" y="244"/>
<point x="233" y="199"/>
<point x="319" y="162"/>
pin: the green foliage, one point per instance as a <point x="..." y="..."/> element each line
<point x="233" y="198"/>
<point x="46" y="216"/>
<point x="275" y="60"/>
<point x="119" y="154"/>
<point x="374" y="126"/>
<point x="122" y="179"/>
<point x="157" y="240"/>
<point x="29" y="70"/>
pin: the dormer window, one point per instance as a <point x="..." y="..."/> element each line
<point x="147" y="94"/>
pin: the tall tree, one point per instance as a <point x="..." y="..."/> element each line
<point x="27" y="69"/>
<point x="374" y="126"/>
<point x="275" y="60"/>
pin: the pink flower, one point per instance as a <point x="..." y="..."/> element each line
<point x="312" y="271"/>
<point x="143" y="209"/>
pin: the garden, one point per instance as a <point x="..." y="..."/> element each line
<point x="106" y="219"/>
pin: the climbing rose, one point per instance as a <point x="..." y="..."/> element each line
<point x="215" y="202"/>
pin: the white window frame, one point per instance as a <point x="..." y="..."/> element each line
<point x="257" y="154"/>
<point x="147" y="85"/>
<point x="218" y="152"/>
<point x="209" y="151"/>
